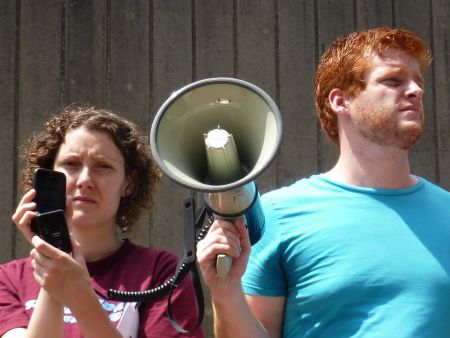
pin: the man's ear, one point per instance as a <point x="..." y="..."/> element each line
<point x="338" y="102"/>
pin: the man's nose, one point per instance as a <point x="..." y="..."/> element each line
<point x="414" y="90"/>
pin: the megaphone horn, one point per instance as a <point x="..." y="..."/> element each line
<point x="216" y="136"/>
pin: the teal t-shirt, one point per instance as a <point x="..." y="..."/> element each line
<point x="356" y="262"/>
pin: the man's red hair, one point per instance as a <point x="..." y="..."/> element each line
<point x="345" y="63"/>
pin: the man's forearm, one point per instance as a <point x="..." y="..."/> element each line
<point x="233" y="318"/>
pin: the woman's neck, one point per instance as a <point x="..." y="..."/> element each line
<point x="96" y="244"/>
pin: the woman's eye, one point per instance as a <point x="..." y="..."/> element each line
<point x="70" y="163"/>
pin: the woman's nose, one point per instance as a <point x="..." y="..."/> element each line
<point x="84" y="178"/>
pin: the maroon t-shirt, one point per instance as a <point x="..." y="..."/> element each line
<point x="131" y="268"/>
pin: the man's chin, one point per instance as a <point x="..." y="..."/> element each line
<point x="410" y="134"/>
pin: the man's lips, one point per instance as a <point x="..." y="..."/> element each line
<point x="411" y="111"/>
<point x="409" y="107"/>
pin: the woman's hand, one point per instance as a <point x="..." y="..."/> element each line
<point x="224" y="238"/>
<point x="63" y="276"/>
<point x="25" y="212"/>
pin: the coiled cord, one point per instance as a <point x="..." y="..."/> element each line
<point x="155" y="293"/>
<point x="184" y="267"/>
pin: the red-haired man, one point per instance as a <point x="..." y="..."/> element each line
<point x="360" y="250"/>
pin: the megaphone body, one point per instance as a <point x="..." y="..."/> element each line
<point x="216" y="136"/>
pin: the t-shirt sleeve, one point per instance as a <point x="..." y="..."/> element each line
<point x="265" y="275"/>
<point x="12" y="313"/>
<point x="153" y="314"/>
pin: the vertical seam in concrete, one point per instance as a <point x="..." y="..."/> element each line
<point x="16" y="125"/>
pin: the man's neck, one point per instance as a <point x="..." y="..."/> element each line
<point x="371" y="165"/>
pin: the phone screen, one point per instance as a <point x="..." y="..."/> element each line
<point x="50" y="223"/>
<point x="50" y="189"/>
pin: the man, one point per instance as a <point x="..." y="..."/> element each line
<point x="362" y="250"/>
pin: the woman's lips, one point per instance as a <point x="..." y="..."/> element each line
<point x="83" y="200"/>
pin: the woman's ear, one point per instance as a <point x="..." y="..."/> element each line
<point x="130" y="184"/>
<point x="338" y="102"/>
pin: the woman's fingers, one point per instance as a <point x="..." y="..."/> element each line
<point x="43" y="260"/>
<point x="44" y="249"/>
<point x="57" y="272"/>
<point x="24" y="224"/>
<point x="24" y="213"/>
<point x="25" y="204"/>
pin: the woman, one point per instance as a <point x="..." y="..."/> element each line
<point x="110" y="178"/>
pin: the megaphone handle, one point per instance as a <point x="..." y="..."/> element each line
<point x="223" y="262"/>
<point x="223" y="266"/>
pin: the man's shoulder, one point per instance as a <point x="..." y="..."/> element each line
<point x="435" y="188"/>
<point x="302" y="187"/>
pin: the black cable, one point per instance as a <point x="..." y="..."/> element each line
<point x="155" y="293"/>
<point x="184" y="267"/>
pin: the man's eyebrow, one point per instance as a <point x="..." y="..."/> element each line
<point x="392" y="70"/>
<point x="399" y="71"/>
<point x="419" y="79"/>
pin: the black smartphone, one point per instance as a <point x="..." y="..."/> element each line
<point x="50" y="224"/>
<point x="50" y="186"/>
<point x="52" y="227"/>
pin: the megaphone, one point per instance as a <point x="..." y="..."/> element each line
<point x="216" y="136"/>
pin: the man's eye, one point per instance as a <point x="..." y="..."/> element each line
<point x="394" y="81"/>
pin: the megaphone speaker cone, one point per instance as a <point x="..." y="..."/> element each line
<point x="240" y="108"/>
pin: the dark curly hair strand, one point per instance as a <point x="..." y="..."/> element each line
<point x="42" y="147"/>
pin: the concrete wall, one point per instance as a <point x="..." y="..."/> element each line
<point x="130" y="55"/>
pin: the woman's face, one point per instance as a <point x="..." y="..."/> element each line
<point x="95" y="171"/>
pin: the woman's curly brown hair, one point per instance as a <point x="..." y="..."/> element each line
<point x="41" y="149"/>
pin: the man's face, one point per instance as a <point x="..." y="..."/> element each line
<point x="389" y="110"/>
